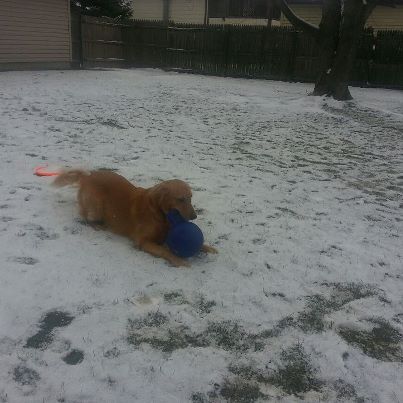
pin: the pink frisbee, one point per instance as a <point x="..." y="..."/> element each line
<point x="41" y="171"/>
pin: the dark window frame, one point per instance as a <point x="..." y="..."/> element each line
<point x="251" y="9"/>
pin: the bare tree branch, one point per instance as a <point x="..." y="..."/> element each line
<point x="370" y="5"/>
<point x="296" y="21"/>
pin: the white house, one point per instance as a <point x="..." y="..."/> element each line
<point x="255" y="12"/>
<point x="35" y="34"/>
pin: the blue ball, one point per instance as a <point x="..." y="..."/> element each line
<point x="185" y="238"/>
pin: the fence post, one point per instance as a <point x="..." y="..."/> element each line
<point x="370" y="60"/>
<point x="293" y="58"/>
<point x="280" y="53"/>
<point x="82" y="39"/>
<point x="166" y="57"/>
<point x="227" y="41"/>
<point x="126" y="31"/>
<point x="263" y="46"/>
<point x="80" y="45"/>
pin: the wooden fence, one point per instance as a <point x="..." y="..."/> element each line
<point x="102" y="42"/>
<point x="238" y="51"/>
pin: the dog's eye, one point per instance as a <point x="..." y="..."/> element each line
<point x="182" y="199"/>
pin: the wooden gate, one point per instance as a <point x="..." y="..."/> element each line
<point x="97" y="42"/>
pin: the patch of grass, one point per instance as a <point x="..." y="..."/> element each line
<point x="248" y="372"/>
<point x="74" y="357"/>
<point x="198" y="398"/>
<point x="232" y="337"/>
<point x="152" y="319"/>
<point x="285" y="322"/>
<point x="159" y="332"/>
<point x="238" y="390"/>
<point x="30" y="261"/>
<point x="44" y="337"/>
<point x="296" y="374"/>
<point x="112" y="353"/>
<point x="312" y="318"/>
<point x="344" y="293"/>
<point x="203" y="305"/>
<point x="235" y="390"/>
<point x="25" y="376"/>
<point x="227" y="335"/>
<point x="245" y="372"/>
<point x="282" y="324"/>
<point x="382" y="342"/>
<point x="345" y="391"/>
<point x="156" y="330"/>
<point x="175" y="297"/>
<point x="167" y="340"/>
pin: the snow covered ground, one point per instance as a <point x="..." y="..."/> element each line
<point x="301" y="195"/>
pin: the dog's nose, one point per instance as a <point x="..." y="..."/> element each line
<point x="193" y="216"/>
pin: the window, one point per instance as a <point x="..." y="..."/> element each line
<point x="247" y="8"/>
<point x="242" y="9"/>
<point x="217" y="8"/>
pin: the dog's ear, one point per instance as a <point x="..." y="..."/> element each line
<point x="160" y="197"/>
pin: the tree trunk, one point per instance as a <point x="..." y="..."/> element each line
<point x="338" y="36"/>
<point x="351" y="25"/>
<point x="327" y="40"/>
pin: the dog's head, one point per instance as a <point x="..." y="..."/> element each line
<point x="174" y="194"/>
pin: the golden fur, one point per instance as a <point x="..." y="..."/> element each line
<point x="108" y="200"/>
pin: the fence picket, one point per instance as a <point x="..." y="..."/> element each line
<point x="279" y="53"/>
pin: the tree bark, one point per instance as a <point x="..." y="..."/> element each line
<point x="327" y="41"/>
<point x="338" y="36"/>
<point x="355" y="14"/>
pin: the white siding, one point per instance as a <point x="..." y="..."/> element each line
<point x="381" y="18"/>
<point x="239" y="21"/>
<point x="308" y="12"/>
<point x="181" y="11"/>
<point x="147" y="9"/>
<point x="35" y="31"/>
<point x="192" y="11"/>
<point x="187" y="11"/>
<point x="386" y="18"/>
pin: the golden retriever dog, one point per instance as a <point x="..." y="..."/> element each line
<point x="110" y="201"/>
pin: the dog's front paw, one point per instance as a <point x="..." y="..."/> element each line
<point x="209" y="249"/>
<point x="178" y="262"/>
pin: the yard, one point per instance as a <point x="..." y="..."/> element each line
<point x="302" y="196"/>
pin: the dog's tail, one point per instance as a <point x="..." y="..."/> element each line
<point x="70" y="177"/>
